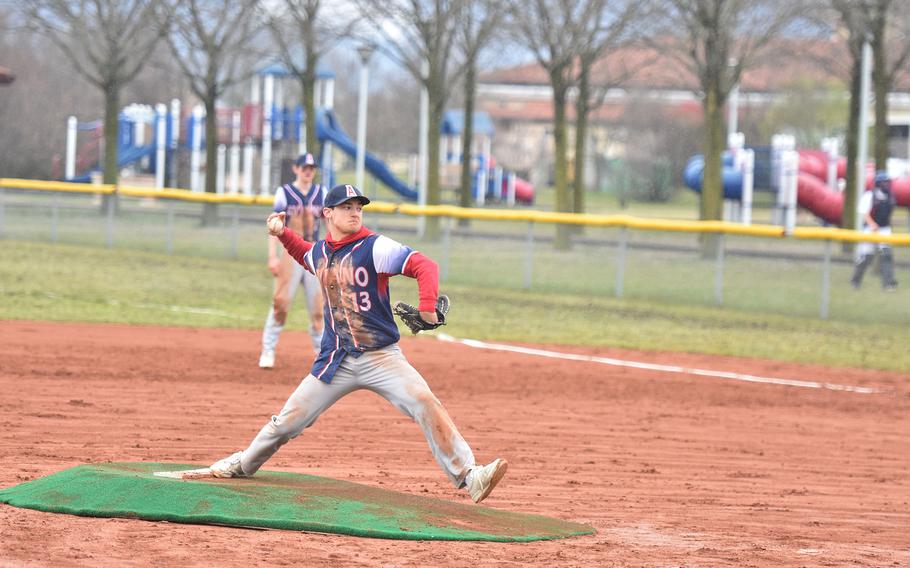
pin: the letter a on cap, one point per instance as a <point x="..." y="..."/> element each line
<point x="351" y="192"/>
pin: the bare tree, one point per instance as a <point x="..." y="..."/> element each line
<point x="885" y="25"/>
<point x="414" y="33"/>
<point x="890" y="28"/>
<point x="481" y="19"/>
<point x="719" y="39"/>
<point x="855" y="19"/>
<point x="33" y="135"/>
<point x="304" y="37"/>
<point x="107" y="42"/>
<point x="553" y="31"/>
<point x="212" y="41"/>
<point x="612" y="24"/>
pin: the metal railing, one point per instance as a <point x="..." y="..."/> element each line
<point x="532" y="219"/>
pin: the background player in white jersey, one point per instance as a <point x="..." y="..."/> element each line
<point x="301" y="201"/>
<point x="875" y="207"/>
<point x="360" y="344"/>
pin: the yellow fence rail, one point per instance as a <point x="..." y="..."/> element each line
<point x="619" y="221"/>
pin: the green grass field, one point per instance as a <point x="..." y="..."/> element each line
<point x="216" y="276"/>
<point x="65" y="282"/>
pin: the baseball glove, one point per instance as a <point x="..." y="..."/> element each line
<point x="411" y="315"/>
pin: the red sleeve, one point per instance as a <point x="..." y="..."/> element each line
<point x="427" y="274"/>
<point x="295" y="245"/>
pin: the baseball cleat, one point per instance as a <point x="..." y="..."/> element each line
<point x="267" y="359"/>
<point x="228" y="467"/>
<point x="485" y="478"/>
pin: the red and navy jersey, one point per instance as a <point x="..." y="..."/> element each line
<point x="289" y="199"/>
<point x="883" y="202"/>
<point x="354" y="274"/>
<point x="879" y="204"/>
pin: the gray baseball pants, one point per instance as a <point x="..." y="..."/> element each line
<point x="385" y="372"/>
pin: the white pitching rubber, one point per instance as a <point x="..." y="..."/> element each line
<point x="186" y="474"/>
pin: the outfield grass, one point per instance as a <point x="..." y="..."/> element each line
<point x="63" y="282"/>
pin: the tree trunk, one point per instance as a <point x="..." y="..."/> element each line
<point x="467" y="138"/>
<point x="563" y="201"/>
<point x="309" y="93"/>
<point x="111" y="141"/>
<point x="111" y="133"/>
<point x="712" y="191"/>
<point x="581" y="135"/>
<point x="434" y="191"/>
<point x="308" y="85"/>
<point x="854" y="167"/>
<point x="712" y="195"/>
<point x="210" y="210"/>
<point x="881" y="87"/>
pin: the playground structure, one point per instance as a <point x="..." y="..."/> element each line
<point x="495" y="182"/>
<point x="811" y="179"/>
<point x="158" y="140"/>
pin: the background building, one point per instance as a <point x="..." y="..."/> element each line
<point x="645" y="93"/>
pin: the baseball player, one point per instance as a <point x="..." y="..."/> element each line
<point x="359" y="346"/>
<point x="301" y="201"/>
<point x="876" y="207"/>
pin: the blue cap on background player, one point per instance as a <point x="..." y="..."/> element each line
<point x="304" y="160"/>
<point x="341" y="193"/>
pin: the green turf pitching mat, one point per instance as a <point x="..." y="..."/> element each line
<point x="277" y="501"/>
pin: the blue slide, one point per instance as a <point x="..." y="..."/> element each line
<point x="733" y="178"/>
<point x="328" y="130"/>
<point x="124" y="158"/>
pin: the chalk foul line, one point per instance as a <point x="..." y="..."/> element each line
<point x="181" y="309"/>
<point x="656" y="367"/>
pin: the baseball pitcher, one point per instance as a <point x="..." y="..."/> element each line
<point x="359" y="347"/>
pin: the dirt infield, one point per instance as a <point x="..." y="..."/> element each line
<point x="671" y="469"/>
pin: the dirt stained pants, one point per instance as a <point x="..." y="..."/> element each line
<point x="385" y="372"/>
<point x="313" y="291"/>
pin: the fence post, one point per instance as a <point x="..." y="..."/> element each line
<point x="790" y="167"/>
<point x="55" y="218"/>
<point x="719" y="271"/>
<point x="826" y="280"/>
<point x="235" y="230"/>
<point x="529" y="256"/>
<point x="110" y="220"/>
<point x="621" y="261"/>
<point x="446" y="245"/>
<point x="169" y="231"/>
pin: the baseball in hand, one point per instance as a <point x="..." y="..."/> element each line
<point x="276" y="225"/>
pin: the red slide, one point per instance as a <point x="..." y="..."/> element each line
<point x="813" y="193"/>
<point x="524" y="191"/>
<point x="901" y="189"/>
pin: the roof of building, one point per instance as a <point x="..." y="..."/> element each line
<point x="277" y="68"/>
<point x="453" y="122"/>
<point x="642" y="67"/>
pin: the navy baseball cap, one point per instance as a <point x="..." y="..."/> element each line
<point x="304" y="160"/>
<point x="341" y="193"/>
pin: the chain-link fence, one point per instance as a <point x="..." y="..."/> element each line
<point x="787" y="276"/>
